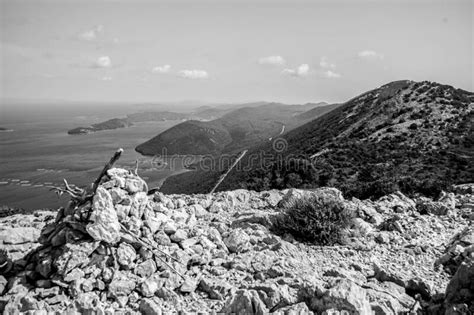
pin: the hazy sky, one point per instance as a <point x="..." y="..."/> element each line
<point x="229" y="51"/>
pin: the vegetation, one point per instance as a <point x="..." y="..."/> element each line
<point x="316" y="219"/>
<point x="236" y="130"/>
<point x="370" y="148"/>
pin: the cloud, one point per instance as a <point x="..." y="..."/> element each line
<point x="325" y="64"/>
<point x="194" y="74"/>
<point x="370" y="54"/>
<point x="161" y="69"/>
<point x="103" y="62"/>
<point x="301" y="71"/>
<point x="106" y="78"/>
<point x="331" y="74"/>
<point x="92" y="34"/>
<point x="272" y="60"/>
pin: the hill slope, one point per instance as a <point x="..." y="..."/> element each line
<point x="235" y="130"/>
<point x="413" y="136"/>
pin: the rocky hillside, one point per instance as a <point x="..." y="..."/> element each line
<point x="125" y="250"/>
<point x="238" y="129"/>
<point x="408" y="136"/>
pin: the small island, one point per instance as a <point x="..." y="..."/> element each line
<point x="3" y="129"/>
<point x="114" y="123"/>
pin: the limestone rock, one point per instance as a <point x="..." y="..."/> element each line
<point x="19" y="235"/>
<point x="245" y="302"/>
<point x="345" y="295"/>
<point x="237" y="241"/>
<point x="126" y="254"/>
<point x="105" y="225"/>
<point x="150" y="307"/>
<point x="216" y="289"/>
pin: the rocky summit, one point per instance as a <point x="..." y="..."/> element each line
<point x="126" y="251"/>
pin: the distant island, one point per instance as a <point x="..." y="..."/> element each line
<point x="114" y="123"/>
<point x="3" y="129"/>
<point x="131" y="119"/>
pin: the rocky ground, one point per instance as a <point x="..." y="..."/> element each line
<point x="129" y="252"/>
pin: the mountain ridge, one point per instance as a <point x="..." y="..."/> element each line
<point x="407" y="135"/>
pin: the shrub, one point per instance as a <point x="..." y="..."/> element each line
<point x="315" y="219"/>
<point x="413" y="126"/>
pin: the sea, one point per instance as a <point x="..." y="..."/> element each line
<point x="37" y="154"/>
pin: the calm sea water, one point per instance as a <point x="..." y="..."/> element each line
<point x="38" y="154"/>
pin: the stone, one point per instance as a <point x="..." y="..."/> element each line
<point x="121" y="285"/>
<point x="3" y="284"/>
<point x="298" y="308"/>
<point x="461" y="287"/>
<point x="126" y="254"/>
<point x="199" y="211"/>
<point x="238" y="241"/>
<point x="433" y="207"/>
<point x="139" y="202"/>
<point x="216" y="289"/>
<point x="419" y="286"/>
<point x="179" y="236"/>
<point x="73" y="256"/>
<point x="117" y="195"/>
<point x="161" y="238"/>
<point x="189" y="285"/>
<point x="382" y="238"/>
<point x="105" y="225"/>
<point x="19" y="235"/>
<point x="146" y="268"/>
<point x="87" y="302"/>
<point x="149" y="307"/>
<point x="345" y="295"/>
<point x="245" y="302"/>
<point x="154" y="222"/>
<point x="170" y="227"/>
<point x="149" y="287"/>
<point x="75" y="274"/>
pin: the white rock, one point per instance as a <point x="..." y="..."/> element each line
<point x="19" y="235"/>
<point x="126" y="254"/>
<point x="105" y="224"/>
<point x="237" y="241"/>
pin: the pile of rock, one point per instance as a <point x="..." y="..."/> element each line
<point x="125" y="250"/>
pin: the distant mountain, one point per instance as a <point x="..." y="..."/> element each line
<point x="235" y="130"/>
<point x="409" y="136"/>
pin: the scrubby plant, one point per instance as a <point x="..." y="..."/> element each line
<point x="317" y="219"/>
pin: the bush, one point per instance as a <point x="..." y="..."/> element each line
<point x="315" y="219"/>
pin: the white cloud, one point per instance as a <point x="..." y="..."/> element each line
<point x="92" y="34"/>
<point x="370" y="54"/>
<point x="161" y="69"/>
<point x="106" y="78"/>
<point x="325" y="64"/>
<point x="331" y="74"/>
<point x="301" y="71"/>
<point x="194" y="74"/>
<point x="272" y="60"/>
<point x="103" y="62"/>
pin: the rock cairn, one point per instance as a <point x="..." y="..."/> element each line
<point x="120" y="249"/>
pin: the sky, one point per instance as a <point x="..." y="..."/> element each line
<point x="290" y="51"/>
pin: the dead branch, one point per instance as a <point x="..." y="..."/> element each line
<point x="107" y="167"/>
<point x="221" y="179"/>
